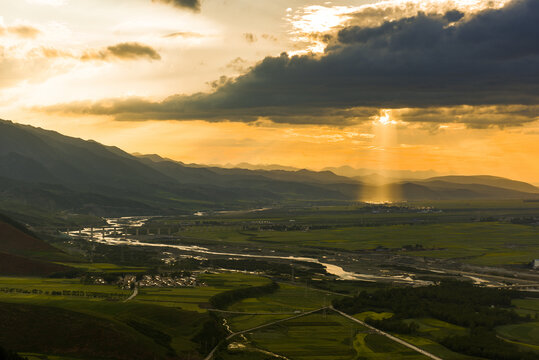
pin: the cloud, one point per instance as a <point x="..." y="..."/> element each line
<point x="22" y="31"/>
<point x="270" y="37"/>
<point x="473" y="116"/>
<point x="376" y="14"/>
<point x="183" y="34"/>
<point x="122" y="51"/>
<point x="48" y="2"/>
<point x="238" y="65"/>
<point x="488" y="60"/>
<point x="250" y="37"/>
<point x="186" y="4"/>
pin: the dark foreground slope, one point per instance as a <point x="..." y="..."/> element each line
<point x="23" y="254"/>
<point x="41" y="329"/>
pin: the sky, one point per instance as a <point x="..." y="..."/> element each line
<point x="444" y="85"/>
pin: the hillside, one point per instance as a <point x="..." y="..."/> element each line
<point x="487" y="180"/>
<point x="45" y="171"/>
<point x="22" y="253"/>
<point x="56" y="172"/>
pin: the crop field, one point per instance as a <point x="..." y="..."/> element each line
<point x="429" y="331"/>
<point x="525" y="334"/>
<point x="476" y="232"/>
<point x="144" y="320"/>
<point x="434" y="348"/>
<point x="196" y="299"/>
<point x="56" y="289"/>
<point x="328" y="337"/>
<point x="373" y="315"/>
<point x="287" y="299"/>
<point x="432" y="330"/>
<point x="284" y="338"/>
<point x="482" y="243"/>
<point x="438" y="329"/>
<point x="528" y="306"/>
<point x="106" y="268"/>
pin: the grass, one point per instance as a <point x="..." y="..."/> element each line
<point x="196" y="299"/>
<point x="373" y="315"/>
<point x="58" y="331"/>
<point x="40" y="289"/>
<point x="104" y="267"/>
<point x="438" y="329"/>
<point x="162" y="320"/>
<point x="451" y="234"/>
<point x="481" y="243"/>
<point x="34" y="356"/>
<point x="288" y="298"/>
<point x="527" y="307"/>
<point x="329" y="337"/>
<point x="526" y="333"/>
<point x="431" y="331"/>
<point x="313" y="337"/>
<point x="434" y="348"/>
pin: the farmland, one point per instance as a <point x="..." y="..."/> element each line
<point x="383" y="247"/>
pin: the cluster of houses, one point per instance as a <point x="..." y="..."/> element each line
<point x="130" y="281"/>
<point x="167" y="281"/>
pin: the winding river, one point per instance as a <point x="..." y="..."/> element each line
<point x="108" y="235"/>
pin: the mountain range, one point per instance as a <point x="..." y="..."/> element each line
<point x="42" y="169"/>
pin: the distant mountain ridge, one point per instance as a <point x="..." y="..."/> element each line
<point x="47" y="170"/>
<point x="488" y="180"/>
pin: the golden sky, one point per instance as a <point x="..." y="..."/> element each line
<point x="207" y="82"/>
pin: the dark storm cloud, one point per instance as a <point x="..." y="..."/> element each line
<point x="188" y="4"/>
<point x="473" y="116"/>
<point x="123" y="51"/>
<point x="424" y="61"/>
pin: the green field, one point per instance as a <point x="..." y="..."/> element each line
<point x="373" y="315"/>
<point x="287" y="299"/>
<point x="161" y="321"/>
<point x="477" y="231"/>
<point x="481" y="243"/>
<point x="528" y="306"/>
<point x="330" y="337"/>
<point x="106" y="268"/>
<point x="196" y="299"/>
<point x="41" y="289"/>
<point x="525" y="334"/>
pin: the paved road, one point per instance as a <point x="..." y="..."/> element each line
<point x="212" y="353"/>
<point x="396" y="339"/>
<point x="133" y="295"/>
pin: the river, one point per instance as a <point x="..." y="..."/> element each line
<point x="109" y="235"/>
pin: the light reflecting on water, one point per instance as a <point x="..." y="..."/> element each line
<point x="114" y="235"/>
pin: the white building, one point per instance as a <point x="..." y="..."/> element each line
<point x="536" y="264"/>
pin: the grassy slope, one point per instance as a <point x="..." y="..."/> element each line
<point x="51" y="330"/>
<point x="20" y="266"/>
<point x="22" y="253"/>
<point x="161" y="328"/>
